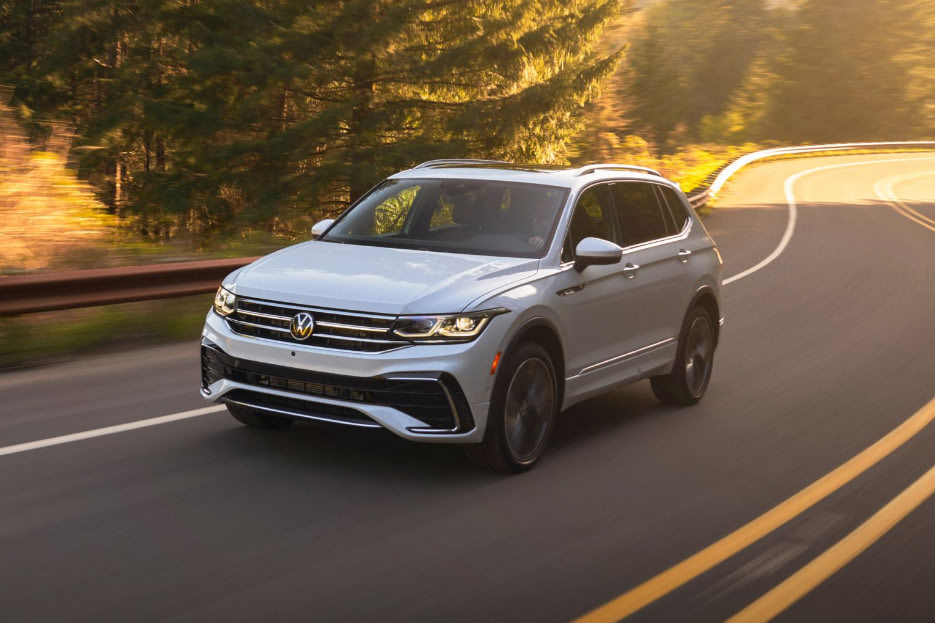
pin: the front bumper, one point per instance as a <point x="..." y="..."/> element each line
<point x="430" y="393"/>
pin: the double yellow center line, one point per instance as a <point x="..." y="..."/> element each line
<point x="690" y="568"/>
<point x="884" y="190"/>
<point x="832" y="560"/>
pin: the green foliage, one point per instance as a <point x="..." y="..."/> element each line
<point x="208" y="117"/>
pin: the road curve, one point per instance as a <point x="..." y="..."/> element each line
<point x="827" y="349"/>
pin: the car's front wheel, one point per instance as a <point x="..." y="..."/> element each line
<point x="523" y="409"/>
<point x="694" y="360"/>
<point x="257" y="419"/>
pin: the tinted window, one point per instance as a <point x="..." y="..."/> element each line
<point x="456" y="216"/>
<point x="666" y="213"/>
<point x="639" y="213"/>
<point x="591" y="219"/>
<point x="676" y="207"/>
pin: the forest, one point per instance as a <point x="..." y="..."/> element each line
<point x="197" y="122"/>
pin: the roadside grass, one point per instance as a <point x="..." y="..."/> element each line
<point x="690" y="167"/>
<point x="51" y="337"/>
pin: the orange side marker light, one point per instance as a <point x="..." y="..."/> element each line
<point x="496" y="362"/>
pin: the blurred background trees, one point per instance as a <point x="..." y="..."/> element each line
<point x="199" y="120"/>
<point x="726" y="72"/>
<point x="202" y="117"/>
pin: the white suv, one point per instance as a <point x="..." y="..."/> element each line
<point x="468" y="302"/>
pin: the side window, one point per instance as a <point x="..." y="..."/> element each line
<point x="676" y="207"/>
<point x="639" y="213"/>
<point x="592" y="218"/>
<point x="666" y="213"/>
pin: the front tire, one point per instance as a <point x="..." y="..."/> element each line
<point x="258" y="419"/>
<point x="694" y="360"/>
<point x="523" y="409"/>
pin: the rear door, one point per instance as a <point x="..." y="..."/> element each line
<point x="648" y="233"/>
<point x="694" y="249"/>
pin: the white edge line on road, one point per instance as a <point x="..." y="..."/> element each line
<point x="108" y="430"/>
<point x="789" y="188"/>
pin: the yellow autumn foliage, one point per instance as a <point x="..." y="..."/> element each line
<point x="48" y="217"/>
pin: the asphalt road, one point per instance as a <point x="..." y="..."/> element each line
<point x="826" y="349"/>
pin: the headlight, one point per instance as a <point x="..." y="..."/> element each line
<point x="447" y="328"/>
<point x="224" y="302"/>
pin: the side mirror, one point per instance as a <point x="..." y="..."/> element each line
<point x="321" y="226"/>
<point x="596" y="251"/>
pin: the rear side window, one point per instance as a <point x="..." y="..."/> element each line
<point x="639" y="214"/>
<point x="592" y="219"/>
<point x="676" y="207"/>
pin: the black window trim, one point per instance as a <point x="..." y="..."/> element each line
<point x="684" y="207"/>
<point x="667" y="215"/>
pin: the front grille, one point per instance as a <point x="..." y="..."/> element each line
<point x="427" y="399"/>
<point x="343" y="330"/>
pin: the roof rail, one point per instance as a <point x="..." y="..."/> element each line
<point x="444" y="161"/>
<point x="591" y="168"/>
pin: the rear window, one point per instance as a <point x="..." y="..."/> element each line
<point x="676" y="207"/>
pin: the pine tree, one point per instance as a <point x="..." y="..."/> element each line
<point x="237" y="111"/>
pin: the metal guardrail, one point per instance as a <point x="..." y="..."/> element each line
<point x="85" y="288"/>
<point x="23" y="294"/>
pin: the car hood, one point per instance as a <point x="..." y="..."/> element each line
<point x="377" y="279"/>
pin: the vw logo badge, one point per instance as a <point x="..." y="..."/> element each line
<point x="302" y="326"/>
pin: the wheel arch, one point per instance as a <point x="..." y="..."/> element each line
<point x="544" y="333"/>
<point x="706" y="298"/>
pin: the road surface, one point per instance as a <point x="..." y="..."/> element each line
<point x="828" y="348"/>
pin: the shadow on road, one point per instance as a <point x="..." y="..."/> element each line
<point x="380" y="454"/>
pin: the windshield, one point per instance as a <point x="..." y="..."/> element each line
<point x="479" y="217"/>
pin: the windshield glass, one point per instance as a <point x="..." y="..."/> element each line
<point x="480" y="217"/>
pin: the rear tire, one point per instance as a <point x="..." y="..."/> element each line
<point x="523" y="408"/>
<point x="694" y="361"/>
<point x="257" y="419"/>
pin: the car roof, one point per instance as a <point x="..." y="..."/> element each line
<point x="551" y="175"/>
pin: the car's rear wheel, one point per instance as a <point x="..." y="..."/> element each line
<point x="694" y="361"/>
<point x="257" y="419"/>
<point x="523" y="408"/>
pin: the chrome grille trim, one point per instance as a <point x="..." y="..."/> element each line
<point x="359" y="339"/>
<point x="311" y="308"/>
<point x="261" y="315"/>
<point x="349" y="327"/>
<point x="335" y="329"/>
<point x="258" y="326"/>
